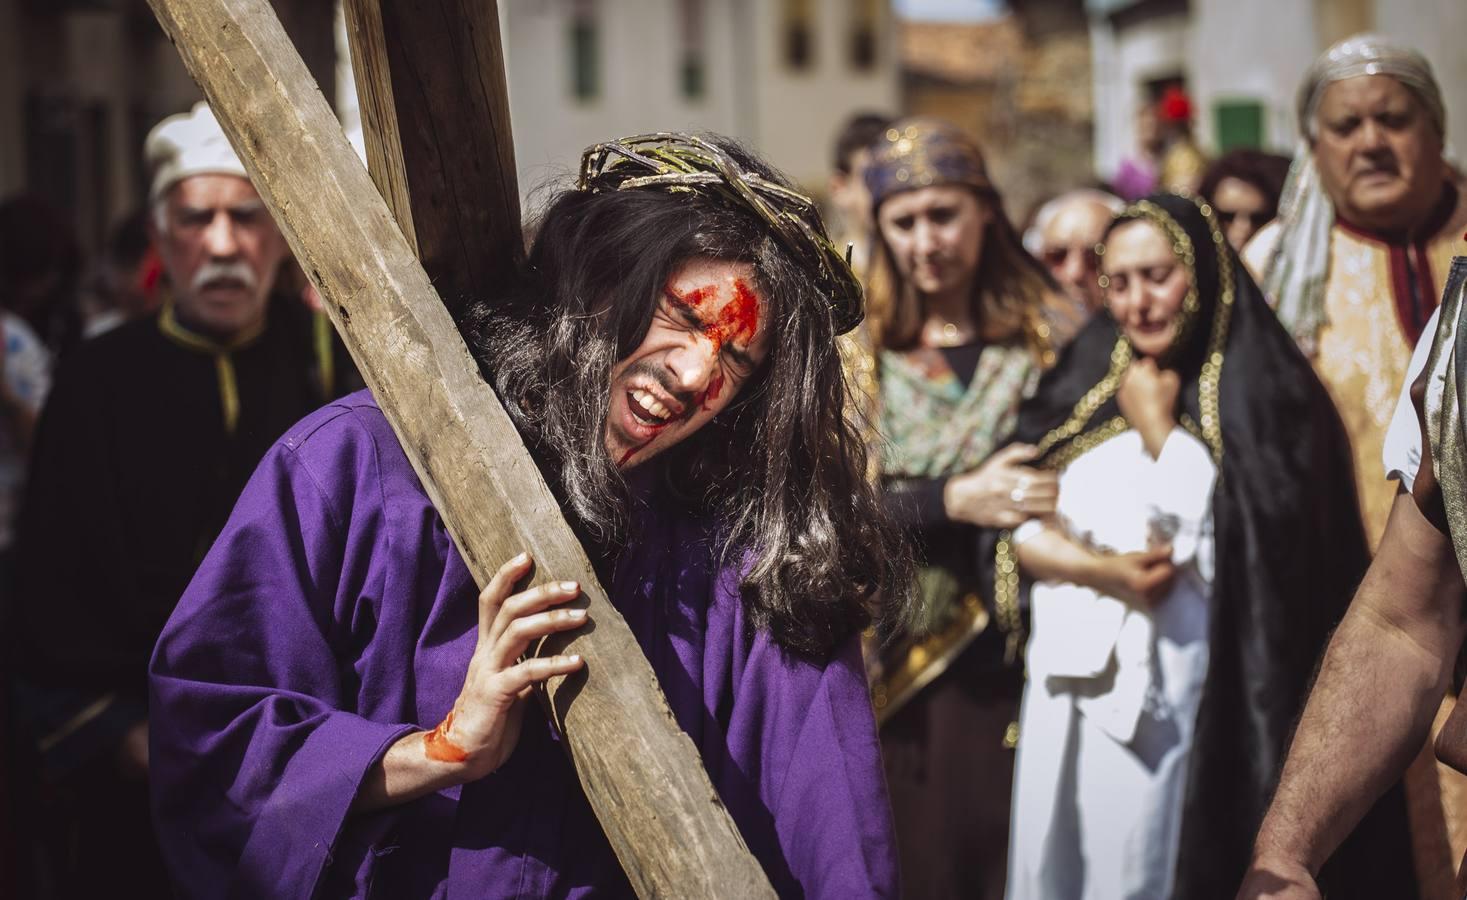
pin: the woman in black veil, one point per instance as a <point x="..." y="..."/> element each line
<point x="1168" y="664"/>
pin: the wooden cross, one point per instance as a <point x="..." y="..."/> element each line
<point x="436" y="111"/>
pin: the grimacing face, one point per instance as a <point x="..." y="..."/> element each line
<point x="221" y="250"/>
<point x="1379" y="155"/>
<point x="708" y="337"/>
<point x="1145" y="285"/>
<point x="935" y="235"/>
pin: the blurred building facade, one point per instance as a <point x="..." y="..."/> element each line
<point x="1242" y="60"/>
<point x="781" y="75"/>
<point x="1019" y="83"/>
<point x="82" y="81"/>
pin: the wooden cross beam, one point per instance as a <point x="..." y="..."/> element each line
<point x="435" y="116"/>
<point x="641" y="774"/>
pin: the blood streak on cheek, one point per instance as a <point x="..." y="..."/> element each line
<point x="715" y="387"/>
<point x="437" y="745"/>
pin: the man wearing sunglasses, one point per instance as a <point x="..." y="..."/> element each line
<point x="1066" y="232"/>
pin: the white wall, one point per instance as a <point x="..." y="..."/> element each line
<point x="1124" y="61"/>
<point x="1251" y="50"/>
<point x="799" y="112"/>
<point x="1438" y="28"/>
<point x="791" y="117"/>
<point x="640" y="80"/>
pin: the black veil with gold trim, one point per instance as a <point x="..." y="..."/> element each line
<point x="1290" y="546"/>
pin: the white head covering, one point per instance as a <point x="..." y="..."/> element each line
<point x="187" y="144"/>
<point x="1297" y="272"/>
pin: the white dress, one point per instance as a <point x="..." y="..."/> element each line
<point x="1112" y="693"/>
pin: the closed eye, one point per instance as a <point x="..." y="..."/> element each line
<point x="742" y="361"/>
<point x="1395" y="121"/>
<point x="678" y="312"/>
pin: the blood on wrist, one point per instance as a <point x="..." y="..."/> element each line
<point x="438" y="746"/>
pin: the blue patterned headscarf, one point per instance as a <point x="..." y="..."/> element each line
<point x="922" y="152"/>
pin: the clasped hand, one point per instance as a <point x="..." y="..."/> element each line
<point x="1003" y="492"/>
<point x="486" y="718"/>
<point x="1148" y="399"/>
<point x="1140" y="580"/>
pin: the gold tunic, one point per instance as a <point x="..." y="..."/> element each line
<point x="1364" y="350"/>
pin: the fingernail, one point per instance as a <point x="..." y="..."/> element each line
<point x="520" y="560"/>
<point x="577" y="613"/>
<point x="569" y="586"/>
<point x="574" y="657"/>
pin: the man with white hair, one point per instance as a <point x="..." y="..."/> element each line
<point x="1367" y="229"/>
<point x="149" y="435"/>
<point x="1065" y="236"/>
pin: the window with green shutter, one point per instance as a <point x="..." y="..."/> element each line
<point x="1239" y="124"/>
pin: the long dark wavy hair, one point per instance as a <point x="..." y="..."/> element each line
<point x="782" y="468"/>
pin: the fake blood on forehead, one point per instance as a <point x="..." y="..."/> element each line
<point x="738" y="319"/>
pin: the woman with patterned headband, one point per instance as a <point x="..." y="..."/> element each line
<point x="669" y="355"/>
<point x="970" y="322"/>
<point x="1205" y="542"/>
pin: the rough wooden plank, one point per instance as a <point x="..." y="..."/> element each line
<point x="435" y="115"/>
<point x="311" y="27"/>
<point x="642" y="775"/>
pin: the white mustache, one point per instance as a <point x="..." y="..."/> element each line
<point x="230" y="271"/>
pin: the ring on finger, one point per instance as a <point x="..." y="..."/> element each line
<point x="1017" y="494"/>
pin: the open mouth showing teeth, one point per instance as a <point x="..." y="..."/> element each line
<point x="648" y="408"/>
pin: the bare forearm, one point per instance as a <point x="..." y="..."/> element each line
<point x="1382" y="680"/>
<point x="1051" y="556"/>
<point x="405" y="773"/>
<point x="1367" y="717"/>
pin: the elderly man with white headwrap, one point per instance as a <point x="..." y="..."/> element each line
<point x="1363" y="248"/>
<point x="1367" y="229"/>
<point x="149" y="435"/>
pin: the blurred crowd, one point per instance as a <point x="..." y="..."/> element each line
<point x="1136" y="434"/>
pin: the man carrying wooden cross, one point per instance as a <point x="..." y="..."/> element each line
<point x="331" y="710"/>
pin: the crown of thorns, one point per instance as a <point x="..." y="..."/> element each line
<point x="688" y="163"/>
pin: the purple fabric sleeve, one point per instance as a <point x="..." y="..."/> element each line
<point x="805" y="734"/>
<point x="832" y="811"/>
<point x="257" y="752"/>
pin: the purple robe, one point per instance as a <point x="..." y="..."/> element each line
<point x="334" y="615"/>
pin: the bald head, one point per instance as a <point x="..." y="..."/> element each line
<point x="1068" y="228"/>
